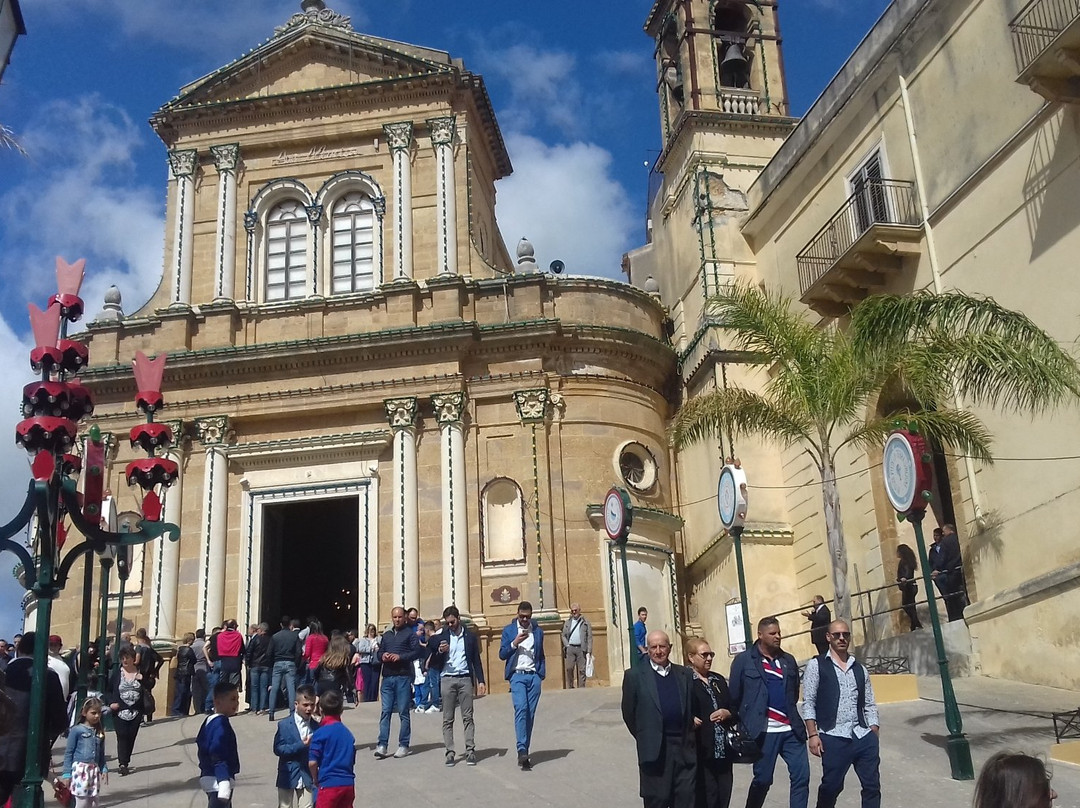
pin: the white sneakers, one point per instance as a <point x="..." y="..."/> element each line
<point x="402" y="751"/>
<point x="380" y="752"/>
<point x="434" y="709"/>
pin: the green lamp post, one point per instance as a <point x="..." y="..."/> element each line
<point x="906" y="462"/>
<point x="618" y="517"/>
<point x="731" y="502"/>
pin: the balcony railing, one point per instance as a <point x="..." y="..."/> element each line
<point x="874" y="203"/>
<point x="740" y="102"/>
<point x="1037" y="25"/>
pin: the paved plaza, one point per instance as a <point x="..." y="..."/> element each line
<point x="583" y="756"/>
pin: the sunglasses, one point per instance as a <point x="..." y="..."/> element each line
<point x="845" y="635"/>
<point x="706" y="654"/>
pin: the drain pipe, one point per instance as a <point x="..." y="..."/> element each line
<point x="935" y="271"/>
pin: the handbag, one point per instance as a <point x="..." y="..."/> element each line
<point x="62" y="792"/>
<point x="590" y="666"/>
<point x="740" y="747"/>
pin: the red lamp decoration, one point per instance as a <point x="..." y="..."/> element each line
<point x="150" y="472"/>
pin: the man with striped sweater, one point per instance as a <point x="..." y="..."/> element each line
<point x="765" y="685"/>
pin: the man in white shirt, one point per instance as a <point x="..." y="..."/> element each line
<point x="455" y="658"/>
<point x="841" y="719"/>
<point x="577" y="646"/>
<point x="522" y="648"/>
<point x="291" y="744"/>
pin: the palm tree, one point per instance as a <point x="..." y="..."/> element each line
<point x="822" y="381"/>
<point x="8" y="141"/>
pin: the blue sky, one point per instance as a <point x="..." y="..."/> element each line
<point x="572" y="84"/>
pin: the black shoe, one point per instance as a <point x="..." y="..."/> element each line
<point x="523" y="762"/>
<point x="124" y="770"/>
<point x="470" y="759"/>
<point x="450" y="759"/>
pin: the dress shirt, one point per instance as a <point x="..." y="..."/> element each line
<point x="526" y="658"/>
<point x="663" y="671"/>
<point x="575" y="633"/>
<point x="456" y="663"/>
<point x="304" y="727"/>
<point x="847" y="709"/>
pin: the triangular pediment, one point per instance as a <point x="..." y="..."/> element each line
<point x="313" y="58"/>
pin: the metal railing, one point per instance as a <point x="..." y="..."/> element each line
<point x="874" y="201"/>
<point x="1037" y="25"/>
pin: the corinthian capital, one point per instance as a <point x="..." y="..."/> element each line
<point x="226" y="156"/>
<point x="182" y="162"/>
<point x="401" y="412"/>
<point x="398" y="135"/>
<point x="449" y="407"/>
<point x="212" y="430"/>
<point x="532" y="405"/>
<point x="443" y="130"/>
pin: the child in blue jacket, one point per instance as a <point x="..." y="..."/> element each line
<point x="84" y="759"/>
<point x="219" y="761"/>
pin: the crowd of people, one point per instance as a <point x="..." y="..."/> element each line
<point x="691" y="725"/>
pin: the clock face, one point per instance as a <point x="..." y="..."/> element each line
<point x="725" y="497"/>
<point x="898" y="461"/>
<point x="614" y="514"/>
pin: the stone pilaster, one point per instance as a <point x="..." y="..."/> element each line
<point x="533" y="407"/>
<point x="212" y="433"/>
<point x="400" y="137"/>
<point x="450" y="414"/>
<point x="226" y="160"/>
<point x="183" y="164"/>
<point x="443" y="138"/>
<point x="401" y="415"/>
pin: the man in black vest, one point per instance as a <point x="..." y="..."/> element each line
<point x="842" y="720"/>
<point x="657" y="709"/>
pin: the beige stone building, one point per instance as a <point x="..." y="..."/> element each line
<point x="943" y="155"/>
<point x="374" y="405"/>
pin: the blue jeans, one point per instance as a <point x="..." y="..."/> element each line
<point x="259" y="685"/>
<point x="434" y="688"/>
<point x="286" y="671"/>
<point x="182" y="702"/>
<point x="525" y="693"/>
<point x="420" y="695"/>
<point x="396" y="694"/>
<point x="212" y="678"/>
<point x="793" y="751"/>
<point x="838" y="755"/>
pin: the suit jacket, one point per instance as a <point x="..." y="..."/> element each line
<point x="819" y="624"/>
<point x="437" y="661"/>
<point x="508" y="652"/>
<point x="292" y="754"/>
<point x="751" y="695"/>
<point x="641" y="709"/>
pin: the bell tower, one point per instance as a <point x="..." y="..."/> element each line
<point x="717" y="56"/>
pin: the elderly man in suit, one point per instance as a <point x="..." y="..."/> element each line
<point x="658" y="711"/>
<point x="291" y="744"/>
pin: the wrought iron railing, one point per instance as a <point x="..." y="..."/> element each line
<point x="874" y="202"/>
<point x="1037" y="25"/>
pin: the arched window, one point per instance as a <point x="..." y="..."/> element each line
<point x="732" y="23"/>
<point x="286" y="251"/>
<point x="352" y="223"/>
<point x="502" y="527"/>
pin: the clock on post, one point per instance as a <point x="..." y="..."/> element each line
<point x="909" y="473"/>
<point x="618" y="514"/>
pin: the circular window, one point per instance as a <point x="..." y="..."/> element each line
<point x="636" y="466"/>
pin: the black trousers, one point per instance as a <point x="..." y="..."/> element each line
<point x="669" y="782"/>
<point x="126" y="732"/>
<point x="908" y="593"/>
<point x="714" y="781"/>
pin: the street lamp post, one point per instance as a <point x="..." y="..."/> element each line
<point x="618" y="517"/>
<point x="108" y="556"/>
<point x="908" y="473"/>
<point x="731" y="503"/>
<point x="52" y="409"/>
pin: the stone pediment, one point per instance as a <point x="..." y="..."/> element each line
<point x="311" y="58"/>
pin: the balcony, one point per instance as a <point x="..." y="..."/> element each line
<point x="736" y="101"/>
<point x="856" y="251"/>
<point x="1046" y="42"/>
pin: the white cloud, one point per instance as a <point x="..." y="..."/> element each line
<point x="543" y="88"/>
<point x="83" y="200"/>
<point x="565" y="200"/>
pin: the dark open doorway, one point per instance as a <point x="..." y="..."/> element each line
<point x="310" y="561"/>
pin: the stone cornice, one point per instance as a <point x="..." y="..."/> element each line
<point x="773" y="125"/>
<point x="342" y="446"/>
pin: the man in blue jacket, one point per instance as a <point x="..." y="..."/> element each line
<point x="397" y="650"/>
<point x="455" y="659"/>
<point x="291" y="743"/>
<point x="522" y="647"/>
<point x="764" y="684"/>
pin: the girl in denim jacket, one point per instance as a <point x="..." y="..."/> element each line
<point x="84" y="760"/>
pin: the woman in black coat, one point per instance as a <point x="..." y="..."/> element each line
<point x="905" y="579"/>
<point x="127" y="701"/>
<point x="712" y="710"/>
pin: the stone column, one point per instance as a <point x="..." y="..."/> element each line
<point x="399" y="137"/>
<point x="183" y="163"/>
<point x="450" y="413"/>
<point x="163" y="592"/>
<point x="211" y="433"/>
<point x="533" y="407"/>
<point x="405" y="565"/>
<point x="443" y="136"/>
<point x="251" y="219"/>
<point x="226" y="160"/>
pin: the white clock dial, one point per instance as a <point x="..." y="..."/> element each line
<point x="898" y="461"/>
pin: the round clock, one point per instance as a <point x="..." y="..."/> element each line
<point x="731" y="497"/>
<point x="617" y="514"/>
<point x="901" y="472"/>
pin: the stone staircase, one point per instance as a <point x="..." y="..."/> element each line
<point x="918" y="648"/>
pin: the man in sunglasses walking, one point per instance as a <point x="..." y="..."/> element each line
<point x="842" y="720"/>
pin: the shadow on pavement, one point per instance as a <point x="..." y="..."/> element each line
<point x="484" y="754"/>
<point x="547" y="755"/>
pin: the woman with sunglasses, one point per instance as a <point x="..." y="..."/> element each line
<point x="713" y="709"/>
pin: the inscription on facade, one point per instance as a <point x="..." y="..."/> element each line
<point x="317" y="153"/>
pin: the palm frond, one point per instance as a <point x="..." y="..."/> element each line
<point x="8" y="141"/>
<point x="740" y="412"/>
<point x="959" y="429"/>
